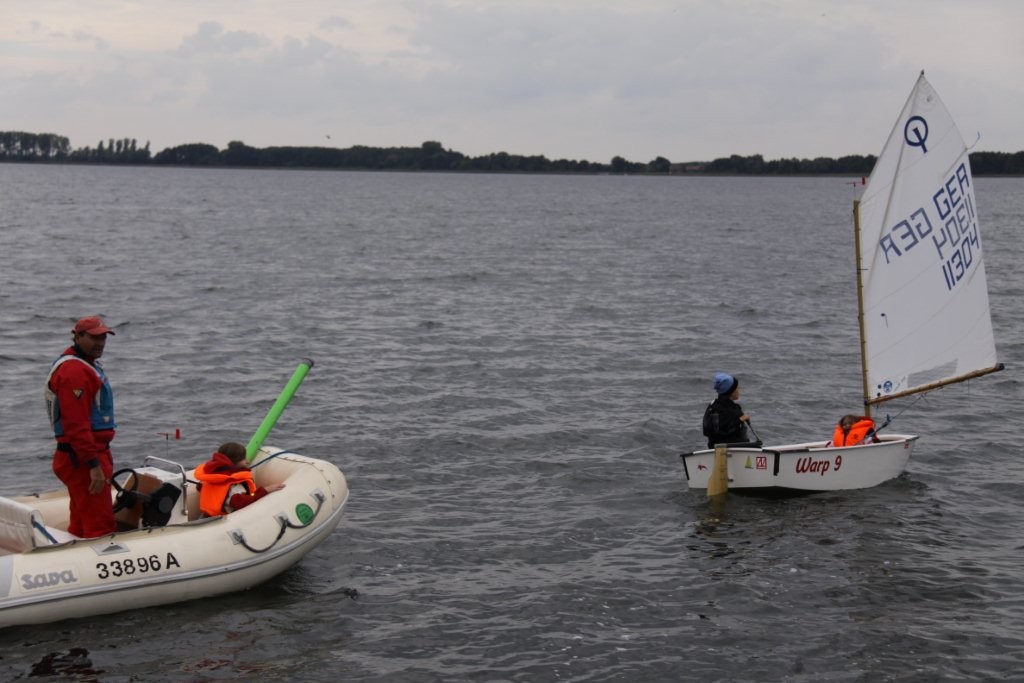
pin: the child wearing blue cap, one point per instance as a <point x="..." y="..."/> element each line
<point x="724" y="419"/>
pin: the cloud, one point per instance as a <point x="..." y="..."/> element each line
<point x="579" y="79"/>
<point x="211" y="38"/>
<point x="334" y="22"/>
<point x="96" y="41"/>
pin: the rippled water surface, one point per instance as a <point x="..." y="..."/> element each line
<point x="507" y="368"/>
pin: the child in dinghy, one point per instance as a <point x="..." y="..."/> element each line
<point x="226" y="483"/>
<point x="853" y="430"/>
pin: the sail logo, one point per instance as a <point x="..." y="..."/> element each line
<point x="949" y="222"/>
<point x="48" y="579"/>
<point x="917" y="126"/>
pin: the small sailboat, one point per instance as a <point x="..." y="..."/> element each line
<point x="923" y="306"/>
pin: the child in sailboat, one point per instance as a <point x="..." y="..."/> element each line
<point x="724" y="419"/>
<point x="226" y="482"/>
<point x="852" y="430"/>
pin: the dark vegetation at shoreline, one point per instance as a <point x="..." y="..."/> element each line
<point x="431" y="156"/>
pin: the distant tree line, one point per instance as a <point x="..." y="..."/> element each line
<point x="432" y="156"/>
<point x="116" y="151"/>
<point x="20" y="146"/>
<point x="982" y="163"/>
<point x="756" y="165"/>
<point x="17" y="146"/>
<point x="997" y="163"/>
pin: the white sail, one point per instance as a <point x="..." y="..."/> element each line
<point x="925" y="298"/>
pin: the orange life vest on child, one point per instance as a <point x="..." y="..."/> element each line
<point x="215" y="488"/>
<point x="857" y="432"/>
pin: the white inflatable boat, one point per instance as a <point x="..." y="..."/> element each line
<point x="167" y="551"/>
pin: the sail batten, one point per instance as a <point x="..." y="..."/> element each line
<point x="925" y="317"/>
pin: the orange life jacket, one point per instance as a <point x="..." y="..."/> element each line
<point x="857" y="432"/>
<point x="213" y="493"/>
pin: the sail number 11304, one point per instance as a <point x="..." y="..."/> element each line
<point x="129" y="566"/>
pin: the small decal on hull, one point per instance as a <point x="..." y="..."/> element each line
<point x="304" y="513"/>
<point x="129" y="566"/>
<point x="819" y="466"/>
<point x="48" y="579"/>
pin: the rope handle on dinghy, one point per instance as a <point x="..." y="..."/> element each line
<point x="271" y="457"/>
<point x="41" y="528"/>
<point x="251" y="467"/>
<point x="238" y="537"/>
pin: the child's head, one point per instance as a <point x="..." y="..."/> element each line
<point x="235" y="451"/>
<point x="847" y="421"/>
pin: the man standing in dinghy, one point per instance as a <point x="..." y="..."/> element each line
<point x="80" y="404"/>
<point x="724" y="419"/>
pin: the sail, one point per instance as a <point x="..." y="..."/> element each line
<point x="925" y="308"/>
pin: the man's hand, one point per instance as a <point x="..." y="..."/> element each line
<point x="96" y="479"/>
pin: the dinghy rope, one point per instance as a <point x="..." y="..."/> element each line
<point x="285" y="523"/>
<point x="271" y="457"/>
<point x="41" y="528"/>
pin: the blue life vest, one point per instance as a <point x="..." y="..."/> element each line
<point x="102" y="415"/>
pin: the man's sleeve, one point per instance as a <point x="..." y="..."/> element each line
<point x="76" y="392"/>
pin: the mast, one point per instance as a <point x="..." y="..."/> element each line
<point x="860" y="308"/>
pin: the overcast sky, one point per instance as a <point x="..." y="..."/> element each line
<point x="576" y="79"/>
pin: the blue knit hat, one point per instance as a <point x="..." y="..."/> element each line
<point x="725" y="383"/>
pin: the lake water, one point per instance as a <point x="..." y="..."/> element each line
<point x="507" y="368"/>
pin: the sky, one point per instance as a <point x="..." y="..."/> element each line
<point x="688" y="80"/>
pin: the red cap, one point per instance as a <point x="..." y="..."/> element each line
<point x="92" y="325"/>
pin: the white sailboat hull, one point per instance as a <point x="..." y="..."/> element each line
<point x="190" y="557"/>
<point x="806" y="466"/>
